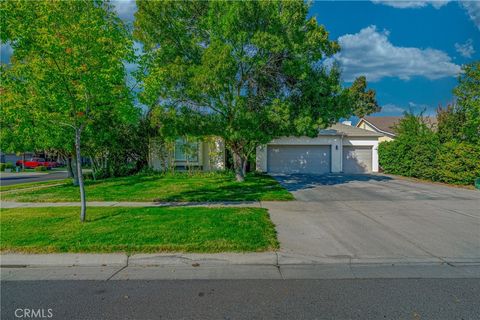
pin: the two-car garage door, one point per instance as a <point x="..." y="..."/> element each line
<point x="316" y="159"/>
<point x="299" y="159"/>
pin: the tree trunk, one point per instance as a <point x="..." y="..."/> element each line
<point x="244" y="167"/>
<point x="74" y="170"/>
<point x="78" y="157"/>
<point x="239" y="166"/>
<point x="69" y="167"/>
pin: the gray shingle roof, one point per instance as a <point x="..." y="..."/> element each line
<point x="349" y="131"/>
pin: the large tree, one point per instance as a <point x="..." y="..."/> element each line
<point x="245" y="71"/>
<point x="67" y="69"/>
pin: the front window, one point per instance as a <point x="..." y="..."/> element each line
<point x="186" y="150"/>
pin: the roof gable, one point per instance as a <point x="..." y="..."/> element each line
<point x="383" y="124"/>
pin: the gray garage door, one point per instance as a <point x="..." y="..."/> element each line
<point x="298" y="159"/>
<point x="357" y="159"/>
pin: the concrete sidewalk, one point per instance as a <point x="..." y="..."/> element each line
<point x="13" y="204"/>
<point x="268" y="265"/>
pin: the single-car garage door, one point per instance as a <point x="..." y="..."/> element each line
<point x="357" y="159"/>
<point x="298" y="159"/>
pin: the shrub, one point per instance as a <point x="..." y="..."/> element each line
<point x="458" y="163"/>
<point x="40" y="168"/>
<point x="418" y="152"/>
<point x="413" y="152"/>
<point x="4" y="166"/>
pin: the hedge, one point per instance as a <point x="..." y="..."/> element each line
<point x="425" y="158"/>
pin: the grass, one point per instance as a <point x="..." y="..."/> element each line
<point x="179" y="229"/>
<point x="198" y="187"/>
<point x="29" y="185"/>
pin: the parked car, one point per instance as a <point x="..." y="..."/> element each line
<point x="37" y="162"/>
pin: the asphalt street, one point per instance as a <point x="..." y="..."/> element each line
<point x="246" y="299"/>
<point x="17" y="178"/>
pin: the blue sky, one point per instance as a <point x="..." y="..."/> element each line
<point x="410" y="51"/>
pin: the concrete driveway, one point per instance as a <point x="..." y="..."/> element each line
<point x="376" y="218"/>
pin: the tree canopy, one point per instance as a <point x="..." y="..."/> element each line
<point x="66" y="74"/>
<point x="245" y="71"/>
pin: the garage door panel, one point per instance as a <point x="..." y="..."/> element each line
<point x="357" y="159"/>
<point x="298" y="159"/>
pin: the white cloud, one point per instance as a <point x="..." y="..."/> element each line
<point x="466" y="49"/>
<point x="404" y="4"/>
<point x="392" y="108"/>
<point x="473" y="11"/>
<point x="125" y="9"/>
<point x="412" y="107"/>
<point x="472" y="7"/>
<point x="370" y="53"/>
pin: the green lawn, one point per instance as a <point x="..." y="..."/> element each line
<point x="180" y="229"/>
<point x="170" y="187"/>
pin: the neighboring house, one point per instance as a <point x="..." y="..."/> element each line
<point x="382" y="125"/>
<point x="339" y="148"/>
<point x="205" y="155"/>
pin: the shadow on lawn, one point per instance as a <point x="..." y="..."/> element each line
<point x="294" y="182"/>
<point x="227" y="193"/>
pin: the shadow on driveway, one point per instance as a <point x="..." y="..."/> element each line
<point x="294" y="182"/>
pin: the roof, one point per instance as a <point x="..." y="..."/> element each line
<point x="385" y="124"/>
<point x="349" y="131"/>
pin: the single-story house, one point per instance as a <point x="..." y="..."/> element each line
<point x="382" y="125"/>
<point x="207" y="154"/>
<point x="339" y="148"/>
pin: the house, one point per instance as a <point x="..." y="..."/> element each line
<point x="206" y="154"/>
<point x="382" y="125"/>
<point x="339" y="148"/>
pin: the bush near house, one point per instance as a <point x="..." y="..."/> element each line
<point x="458" y="163"/>
<point x="421" y="152"/>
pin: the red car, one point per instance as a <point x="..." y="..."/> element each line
<point x="37" y="162"/>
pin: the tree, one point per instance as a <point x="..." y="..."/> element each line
<point x="450" y="123"/>
<point x="363" y="101"/>
<point x="68" y="64"/>
<point x="468" y="98"/>
<point x="245" y="71"/>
